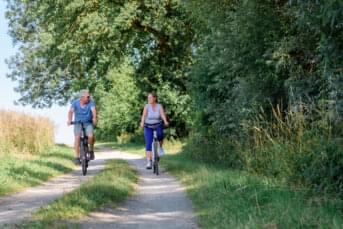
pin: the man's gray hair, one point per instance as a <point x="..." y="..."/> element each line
<point x="83" y="91"/>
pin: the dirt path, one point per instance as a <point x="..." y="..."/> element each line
<point x="159" y="202"/>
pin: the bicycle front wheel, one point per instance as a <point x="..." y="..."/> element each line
<point x="83" y="158"/>
<point x="84" y="167"/>
<point x="156" y="168"/>
<point x="155" y="150"/>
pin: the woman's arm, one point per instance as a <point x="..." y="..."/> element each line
<point x="163" y="115"/>
<point x="145" y="111"/>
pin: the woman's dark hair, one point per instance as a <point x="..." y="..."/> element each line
<point x="153" y="94"/>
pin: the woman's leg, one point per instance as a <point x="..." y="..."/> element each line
<point x="148" y="136"/>
<point x="160" y="135"/>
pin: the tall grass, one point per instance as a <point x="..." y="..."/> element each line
<point x="23" y="133"/>
<point x="302" y="146"/>
<point x="226" y="198"/>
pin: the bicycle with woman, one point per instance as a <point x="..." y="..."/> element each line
<point x="152" y="120"/>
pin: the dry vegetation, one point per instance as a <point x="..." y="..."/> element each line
<point x="23" y="133"/>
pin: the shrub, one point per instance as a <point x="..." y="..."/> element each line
<point x="320" y="166"/>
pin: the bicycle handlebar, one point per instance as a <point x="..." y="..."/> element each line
<point x="154" y="126"/>
<point x="80" y="122"/>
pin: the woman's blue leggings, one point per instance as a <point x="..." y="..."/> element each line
<point x="149" y="135"/>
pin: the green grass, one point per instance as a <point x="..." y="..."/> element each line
<point x="19" y="171"/>
<point x="171" y="147"/>
<point x="225" y="198"/>
<point x="125" y="147"/>
<point x="108" y="188"/>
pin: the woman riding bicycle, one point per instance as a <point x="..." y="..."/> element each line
<point x="153" y="114"/>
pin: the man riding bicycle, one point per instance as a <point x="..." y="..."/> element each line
<point x="84" y="111"/>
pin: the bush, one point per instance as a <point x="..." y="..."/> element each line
<point x="215" y="149"/>
<point x="321" y="165"/>
<point x="274" y="160"/>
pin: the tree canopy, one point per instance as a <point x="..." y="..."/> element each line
<point x="65" y="46"/>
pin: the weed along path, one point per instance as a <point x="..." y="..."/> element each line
<point x="159" y="201"/>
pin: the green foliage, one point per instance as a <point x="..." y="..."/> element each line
<point x="321" y="167"/>
<point x="267" y="75"/>
<point x="257" y="53"/>
<point x="120" y="108"/>
<point x="214" y="150"/>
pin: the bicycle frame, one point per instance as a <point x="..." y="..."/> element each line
<point x="84" y="152"/>
<point x="155" y="155"/>
<point x="155" y="148"/>
<point x="83" y="143"/>
<point x="155" y="152"/>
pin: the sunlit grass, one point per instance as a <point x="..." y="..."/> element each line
<point x="170" y="147"/>
<point x="27" y="153"/>
<point x="19" y="170"/>
<point x="108" y="188"/>
<point x="227" y="198"/>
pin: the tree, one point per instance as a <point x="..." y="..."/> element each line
<point x="65" y="46"/>
<point x="120" y="105"/>
<point x="258" y="54"/>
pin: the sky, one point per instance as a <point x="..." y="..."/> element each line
<point x="57" y="114"/>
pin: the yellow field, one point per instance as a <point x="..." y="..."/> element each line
<point x="23" y="133"/>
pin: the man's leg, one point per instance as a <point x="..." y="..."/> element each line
<point x="77" y="138"/>
<point x="91" y="140"/>
<point x="77" y="149"/>
<point x="91" y="146"/>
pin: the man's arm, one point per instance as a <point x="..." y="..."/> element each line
<point x="70" y="116"/>
<point x="94" y="115"/>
